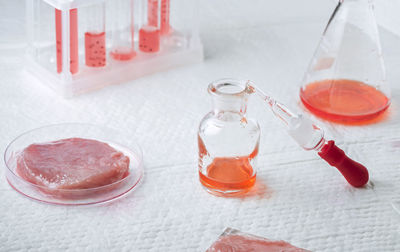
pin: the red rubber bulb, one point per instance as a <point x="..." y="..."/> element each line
<point x="355" y="173"/>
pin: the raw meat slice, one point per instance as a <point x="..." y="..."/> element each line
<point x="233" y="240"/>
<point x="72" y="163"/>
<point x="238" y="243"/>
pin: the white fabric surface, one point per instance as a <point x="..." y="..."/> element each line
<point x="297" y="198"/>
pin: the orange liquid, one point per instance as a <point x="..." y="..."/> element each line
<point x="229" y="176"/>
<point x="344" y="101"/>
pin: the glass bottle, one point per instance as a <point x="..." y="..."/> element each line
<point x="346" y="80"/>
<point x="228" y="141"/>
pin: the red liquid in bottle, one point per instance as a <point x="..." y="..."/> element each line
<point x="228" y="175"/>
<point x="234" y="175"/>
<point x="344" y="101"/>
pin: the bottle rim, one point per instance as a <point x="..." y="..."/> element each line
<point x="228" y="87"/>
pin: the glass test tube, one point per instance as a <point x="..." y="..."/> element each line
<point x="152" y="13"/>
<point x="123" y="30"/>
<point x="164" y="24"/>
<point x="149" y="35"/>
<point x="95" y="36"/>
<point x="73" y="40"/>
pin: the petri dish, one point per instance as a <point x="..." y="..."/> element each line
<point x="75" y="196"/>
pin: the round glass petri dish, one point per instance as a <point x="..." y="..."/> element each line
<point x="75" y="196"/>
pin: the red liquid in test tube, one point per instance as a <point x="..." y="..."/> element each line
<point x="73" y="37"/>
<point x="95" y="37"/>
<point x="95" y="52"/>
<point x="164" y="26"/>
<point x="123" y="45"/>
<point x="152" y="13"/>
<point x="59" y="40"/>
<point x="149" y="39"/>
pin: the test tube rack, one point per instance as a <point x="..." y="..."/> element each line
<point x="60" y="56"/>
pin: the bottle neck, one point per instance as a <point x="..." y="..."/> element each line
<point x="236" y="105"/>
<point x="229" y="96"/>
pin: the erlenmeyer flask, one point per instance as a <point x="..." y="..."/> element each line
<point x="346" y="81"/>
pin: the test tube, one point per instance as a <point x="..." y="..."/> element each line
<point x="149" y="35"/>
<point x="59" y="40"/>
<point x="164" y="24"/>
<point x="123" y="30"/>
<point x="95" y="36"/>
<point x="73" y="40"/>
<point x="149" y="39"/>
<point x="152" y="13"/>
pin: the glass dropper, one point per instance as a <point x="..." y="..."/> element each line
<point x="311" y="137"/>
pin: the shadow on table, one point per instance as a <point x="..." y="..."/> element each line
<point x="259" y="190"/>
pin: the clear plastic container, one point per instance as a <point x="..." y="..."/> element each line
<point x="228" y="141"/>
<point x="74" y="196"/>
<point x="80" y="45"/>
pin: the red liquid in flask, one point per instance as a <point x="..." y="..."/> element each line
<point x="228" y="175"/>
<point x="345" y="101"/>
<point x="95" y="51"/>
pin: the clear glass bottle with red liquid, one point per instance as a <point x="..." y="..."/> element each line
<point x="346" y="80"/>
<point x="228" y="141"/>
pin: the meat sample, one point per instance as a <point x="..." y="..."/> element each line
<point x="72" y="163"/>
<point x="235" y="241"/>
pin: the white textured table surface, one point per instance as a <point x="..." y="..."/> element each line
<point x="298" y="198"/>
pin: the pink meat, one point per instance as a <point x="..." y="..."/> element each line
<point x="73" y="163"/>
<point x="239" y="243"/>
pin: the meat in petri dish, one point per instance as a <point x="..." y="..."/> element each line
<point x="73" y="163"/>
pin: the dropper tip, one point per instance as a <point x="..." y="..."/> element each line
<point x="253" y="89"/>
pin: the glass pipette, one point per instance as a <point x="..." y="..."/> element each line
<point x="311" y="137"/>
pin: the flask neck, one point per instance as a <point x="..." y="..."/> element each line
<point x="229" y="96"/>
